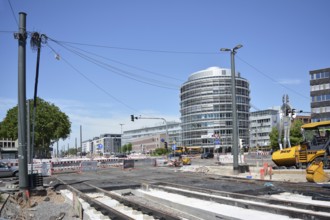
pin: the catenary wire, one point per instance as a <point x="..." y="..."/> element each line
<point x="272" y="79"/>
<point x="12" y="10"/>
<point x="140" y="50"/>
<point x="180" y="52"/>
<point x="92" y="82"/>
<point x="127" y="65"/>
<point x="185" y="52"/>
<point x="122" y="72"/>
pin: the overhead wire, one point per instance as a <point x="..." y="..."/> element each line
<point x="272" y="79"/>
<point x="186" y="52"/>
<point x="140" y="50"/>
<point x="12" y="10"/>
<point x="128" y="65"/>
<point x="121" y="72"/>
<point x="91" y="81"/>
<point x="132" y="76"/>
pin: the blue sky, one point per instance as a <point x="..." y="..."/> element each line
<point x="130" y="57"/>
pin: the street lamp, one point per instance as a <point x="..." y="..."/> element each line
<point x="234" y="107"/>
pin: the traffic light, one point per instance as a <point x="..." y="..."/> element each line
<point x="287" y="112"/>
<point x="293" y="113"/>
<point x="132" y="117"/>
<point x="240" y="142"/>
<point x="165" y="145"/>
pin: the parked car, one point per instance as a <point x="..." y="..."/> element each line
<point x="8" y="171"/>
<point x="207" y="155"/>
<point x="121" y="155"/>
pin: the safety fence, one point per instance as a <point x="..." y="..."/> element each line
<point x="48" y="167"/>
<point x="228" y="158"/>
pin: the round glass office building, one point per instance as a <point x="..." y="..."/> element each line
<point x="206" y="110"/>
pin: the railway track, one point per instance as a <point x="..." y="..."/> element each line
<point x="139" y="198"/>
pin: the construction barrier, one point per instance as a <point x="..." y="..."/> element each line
<point x="43" y="168"/>
<point x="228" y="158"/>
<point x="88" y="166"/>
<point x="48" y="167"/>
<point x="128" y="164"/>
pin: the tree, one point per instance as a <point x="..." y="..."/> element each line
<point x="50" y="125"/>
<point x="295" y="135"/>
<point x="126" y="148"/>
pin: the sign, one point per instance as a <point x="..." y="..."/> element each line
<point x="99" y="146"/>
<point x="217" y="141"/>
<point x="173" y="147"/>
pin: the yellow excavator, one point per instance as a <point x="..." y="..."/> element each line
<point x="313" y="153"/>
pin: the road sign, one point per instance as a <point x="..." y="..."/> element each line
<point x="173" y="147"/>
<point x="99" y="146"/>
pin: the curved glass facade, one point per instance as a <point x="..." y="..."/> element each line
<point x="206" y="109"/>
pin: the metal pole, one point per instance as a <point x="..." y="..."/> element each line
<point x="80" y="141"/>
<point x="234" y="108"/>
<point x="22" y="152"/>
<point x="28" y="132"/>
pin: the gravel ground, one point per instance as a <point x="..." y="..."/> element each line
<point x="53" y="206"/>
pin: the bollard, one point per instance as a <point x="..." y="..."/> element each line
<point x="270" y="172"/>
<point x="262" y="173"/>
<point x="265" y="169"/>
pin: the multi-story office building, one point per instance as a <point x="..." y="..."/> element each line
<point x="320" y="94"/>
<point x="206" y="109"/>
<point x="148" y="144"/>
<point x="153" y="136"/>
<point x="106" y="143"/>
<point x="261" y="124"/>
<point x="8" y="149"/>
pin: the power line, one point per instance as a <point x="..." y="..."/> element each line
<point x="140" y="50"/>
<point x="12" y="10"/>
<point x="272" y="79"/>
<point x="122" y="72"/>
<point x="128" y="65"/>
<point x="92" y="82"/>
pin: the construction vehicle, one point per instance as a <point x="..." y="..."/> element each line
<point x="315" y="173"/>
<point x="185" y="160"/>
<point x="314" y="147"/>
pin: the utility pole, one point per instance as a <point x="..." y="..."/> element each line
<point x="121" y="134"/>
<point x="76" y="146"/>
<point x="22" y="134"/>
<point x="57" y="149"/>
<point x="234" y="107"/>
<point x="29" y="156"/>
<point x="80" y="141"/>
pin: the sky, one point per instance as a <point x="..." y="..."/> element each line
<point x="116" y="58"/>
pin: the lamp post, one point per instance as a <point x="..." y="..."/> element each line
<point x="121" y="134"/>
<point x="234" y="107"/>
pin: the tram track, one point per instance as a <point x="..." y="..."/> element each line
<point x="127" y="195"/>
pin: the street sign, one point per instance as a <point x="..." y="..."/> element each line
<point x="99" y="146"/>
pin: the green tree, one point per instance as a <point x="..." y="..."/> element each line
<point x="50" y="125"/>
<point x="295" y="135"/>
<point x="126" y="148"/>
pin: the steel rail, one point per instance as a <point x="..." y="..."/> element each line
<point x="287" y="208"/>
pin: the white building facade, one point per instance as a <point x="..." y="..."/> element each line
<point x="206" y="109"/>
